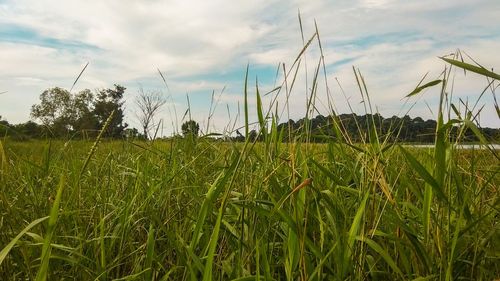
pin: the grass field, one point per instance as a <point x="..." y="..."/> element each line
<point x="183" y="210"/>
<point x="199" y="209"/>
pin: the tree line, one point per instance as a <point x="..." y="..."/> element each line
<point x="358" y="128"/>
<point x="62" y="114"/>
<point x="81" y="115"/>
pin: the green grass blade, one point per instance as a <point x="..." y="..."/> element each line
<point x="327" y="172"/>
<point x="383" y="253"/>
<point x="353" y="232"/>
<point x="418" y="89"/>
<point x="102" y="243"/>
<point x="94" y="146"/>
<point x="473" y="68"/>
<point x="259" y="110"/>
<point x="212" y="194"/>
<point x="3" y="162"/>
<point x="246" y="103"/>
<point x="150" y="248"/>
<point x="11" y="244"/>
<point x="426" y="212"/>
<point x="207" y="273"/>
<point x="420" y="169"/>
<point x="47" y="249"/>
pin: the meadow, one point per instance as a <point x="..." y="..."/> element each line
<point x="197" y="208"/>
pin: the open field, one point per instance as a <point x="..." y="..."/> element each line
<point x="193" y="209"/>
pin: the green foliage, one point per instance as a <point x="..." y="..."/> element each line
<point x="60" y="110"/>
<point x="107" y="101"/>
<point x="190" y="128"/>
<point x="149" y="211"/>
<point x="395" y="129"/>
<point x="82" y="114"/>
<point x="4" y="127"/>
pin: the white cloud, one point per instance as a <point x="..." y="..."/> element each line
<point x="393" y="43"/>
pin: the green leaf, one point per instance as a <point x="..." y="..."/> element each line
<point x="246" y="104"/>
<point x="428" y="178"/>
<point x="353" y="231"/>
<point x="11" y="244"/>
<point x="47" y="249"/>
<point x="150" y="248"/>
<point x="383" y="253"/>
<point x="259" y="110"/>
<point x="418" y="89"/>
<point x="479" y="70"/>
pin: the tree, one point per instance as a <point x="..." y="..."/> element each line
<point x="149" y="104"/>
<point x="107" y="101"/>
<point x="84" y="118"/>
<point x="63" y="112"/>
<point x="4" y="127"/>
<point x="190" y="128"/>
<point x="131" y="133"/>
<point x="4" y="122"/>
<point x="29" y="129"/>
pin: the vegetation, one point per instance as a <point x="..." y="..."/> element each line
<point x="406" y="129"/>
<point x="190" y="128"/>
<point x="149" y="104"/>
<point x="64" y="114"/>
<point x="354" y="208"/>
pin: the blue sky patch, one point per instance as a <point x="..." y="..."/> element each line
<point x="22" y="35"/>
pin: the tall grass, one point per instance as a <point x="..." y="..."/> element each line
<point x="260" y="210"/>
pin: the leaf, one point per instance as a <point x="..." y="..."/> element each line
<point x="163" y="78"/>
<point x="259" y="110"/>
<point x="327" y="172"/>
<point x="383" y="253"/>
<point x="150" y="248"/>
<point x="428" y="178"/>
<point x="418" y="89"/>
<point x="11" y="244"/>
<point x="3" y="163"/>
<point x="353" y="231"/>
<point x="246" y="104"/>
<point x="43" y="270"/>
<point x="479" y="70"/>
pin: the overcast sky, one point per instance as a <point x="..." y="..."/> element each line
<point x="203" y="47"/>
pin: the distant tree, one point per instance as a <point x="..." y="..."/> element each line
<point x="190" y="128"/>
<point x="61" y="111"/>
<point x="3" y="122"/>
<point x="65" y="113"/>
<point x="29" y="129"/>
<point x="149" y="104"/>
<point x="106" y="101"/>
<point x="252" y="135"/>
<point x="84" y="118"/>
<point x="53" y="109"/>
<point x="132" y="133"/>
<point x="4" y="127"/>
<point x="239" y="137"/>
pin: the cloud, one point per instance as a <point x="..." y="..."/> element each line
<point x="201" y="46"/>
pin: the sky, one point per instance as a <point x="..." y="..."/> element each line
<point x="203" y="48"/>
